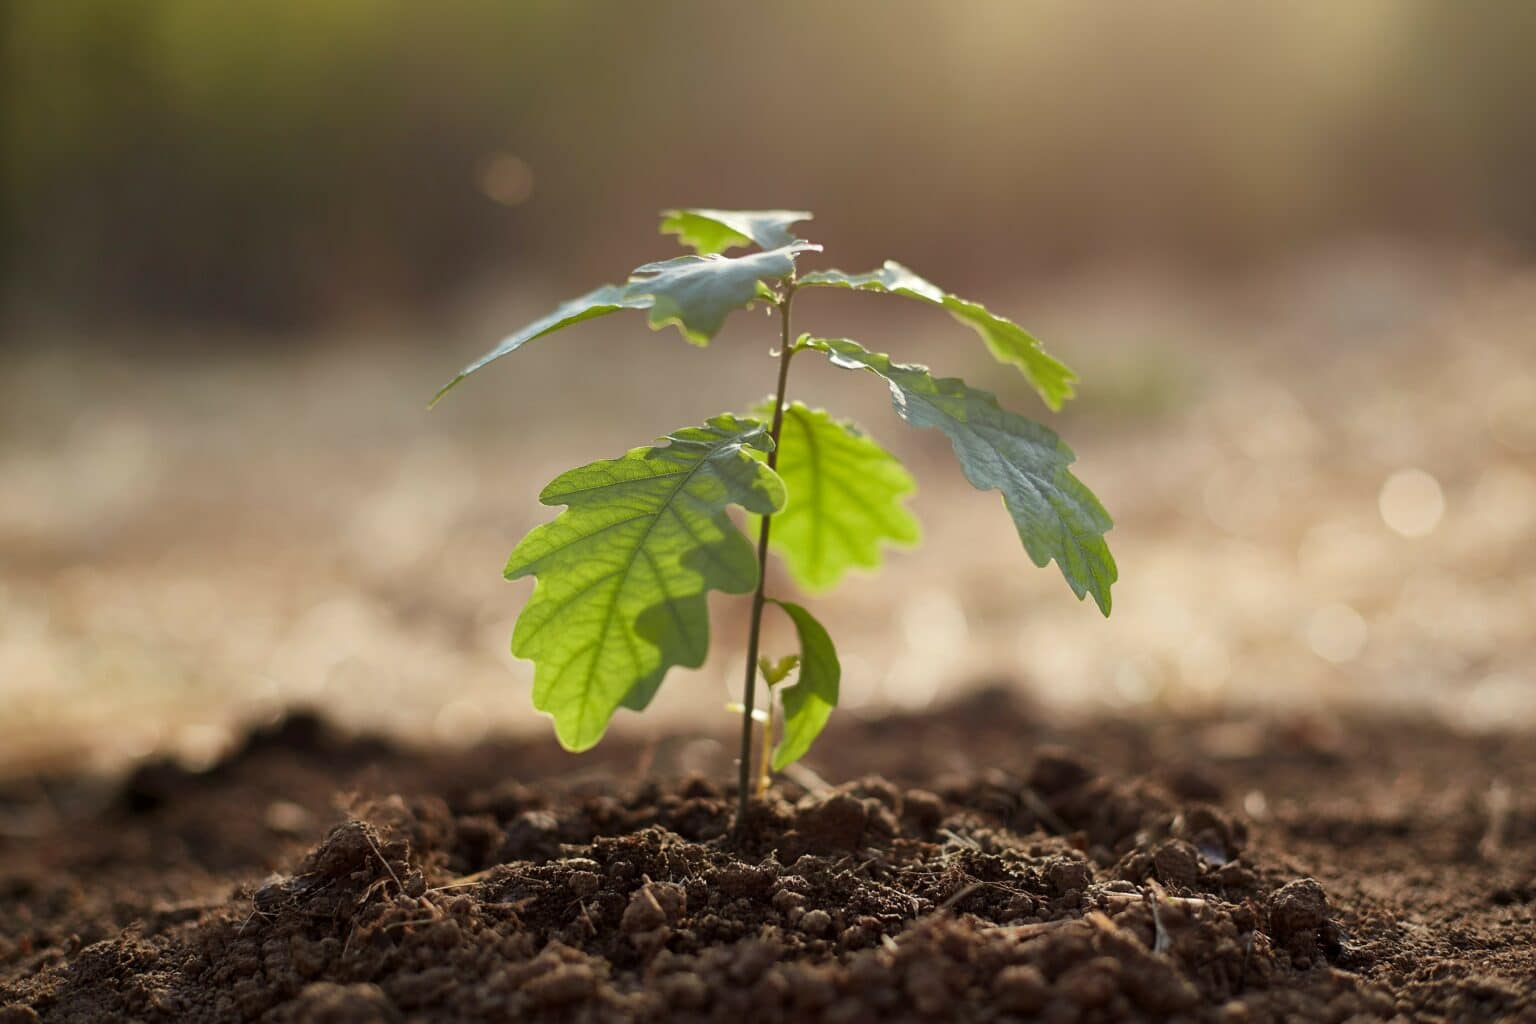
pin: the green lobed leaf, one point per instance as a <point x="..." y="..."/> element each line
<point x="715" y="231"/>
<point x="598" y="302"/>
<point x="624" y="570"/>
<point x="1007" y="341"/>
<point x="809" y="703"/>
<point x="846" y="498"/>
<point x="696" y="293"/>
<point x="1058" y="518"/>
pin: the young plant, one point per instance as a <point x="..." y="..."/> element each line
<point x="623" y="573"/>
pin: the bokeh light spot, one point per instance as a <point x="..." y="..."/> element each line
<point x="1511" y="412"/>
<point x="1337" y="633"/>
<point x="1411" y="503"/>
<point x="507" y="179"/>
<point x="462" y="722"/>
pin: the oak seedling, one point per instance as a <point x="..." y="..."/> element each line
<point x="624" y="571"/>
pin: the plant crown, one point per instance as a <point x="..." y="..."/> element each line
<point x="624" y="571"/>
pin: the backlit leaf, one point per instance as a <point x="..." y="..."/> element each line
<point x="809" y="703"/>
<point x="775" y="672"/>
<point x="846" y="498"/>
<point x="714" y="231"/>
<point x="623" y="571"/>
<point x="1057" y="516"/>
<point x="598" y="302"/>
<point x="1007" y="341"/>
<point x="696" y="293"/>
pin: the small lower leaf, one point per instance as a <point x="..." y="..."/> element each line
<point x="809" y="703"/>
<point x="775" y="672"/>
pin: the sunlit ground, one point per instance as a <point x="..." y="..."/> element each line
<point x="1325" y="488"/>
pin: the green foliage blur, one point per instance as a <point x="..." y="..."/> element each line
<point x="291" y="162"/>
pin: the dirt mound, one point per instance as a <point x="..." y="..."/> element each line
<point x="1049" y="886"/>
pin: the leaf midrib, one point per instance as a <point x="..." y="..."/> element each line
<point x="629" y="565"/>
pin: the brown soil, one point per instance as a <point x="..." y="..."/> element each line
<point x="981" y="865"/>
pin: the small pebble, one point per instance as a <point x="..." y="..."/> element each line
<point x="1057" y="770"/>
<point x="1020" y="988"/>
<point x="583" y="883"/>
<point x="1067" y="874"/>
<point x="925" y="809"/>
<point x="1177" y="864"/>
<point x="815" y="922"/>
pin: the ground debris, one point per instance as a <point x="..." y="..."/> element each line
<point x="1044" y="883"/>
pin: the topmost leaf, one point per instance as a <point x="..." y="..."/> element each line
<point x="714" y="231"/>
<point x="1007" y="341"/>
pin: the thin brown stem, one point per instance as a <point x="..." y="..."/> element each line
<point x="749" y="691"/>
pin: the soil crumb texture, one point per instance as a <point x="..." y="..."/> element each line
<point x="977" y="864"/>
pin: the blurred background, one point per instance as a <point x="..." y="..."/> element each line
<point x="1288" y="247"/>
